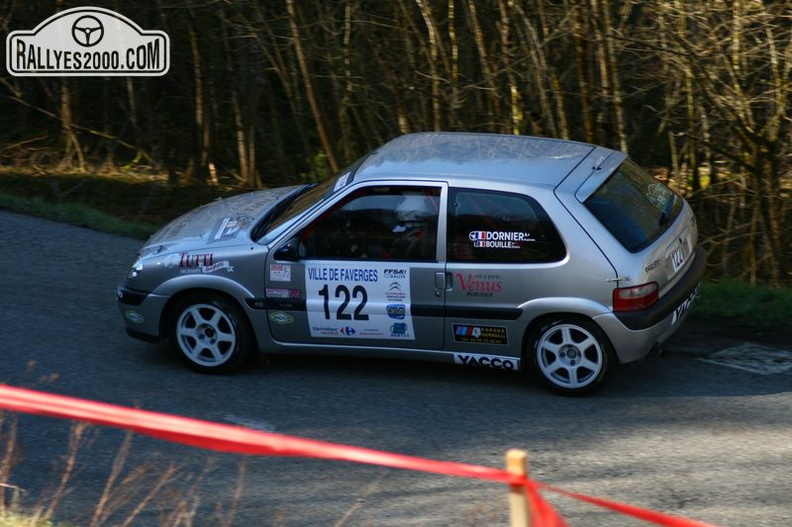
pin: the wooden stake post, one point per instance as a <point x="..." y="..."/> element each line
<point x="516" y="463"/>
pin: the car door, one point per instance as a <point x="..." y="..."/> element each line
<point x="503" y="251"/>
<point x="363" y="271"/>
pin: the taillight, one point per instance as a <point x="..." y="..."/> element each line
<point x="636" y="297"/>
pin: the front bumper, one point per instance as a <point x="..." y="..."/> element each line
<point x="142" y="312"/>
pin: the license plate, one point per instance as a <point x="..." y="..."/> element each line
<point x="678" y="258"/>
<point x="682" y="308"/>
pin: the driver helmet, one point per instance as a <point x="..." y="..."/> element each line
<point x="413" y="209"/>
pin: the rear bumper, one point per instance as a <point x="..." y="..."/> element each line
<point x="675" y="298"/>
<point x="634" y="335"/>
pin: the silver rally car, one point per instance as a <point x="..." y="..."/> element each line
<point x="496" y="251"/>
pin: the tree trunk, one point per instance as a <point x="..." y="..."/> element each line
<point x="71" y="145"/>
<point x="307" y="79"/>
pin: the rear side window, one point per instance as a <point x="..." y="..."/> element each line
<point x="486" y="226"/>
<point x="634" y="206"/>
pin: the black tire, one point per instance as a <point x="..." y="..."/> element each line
<point x="211" y="333"/>
<point x="570" y="355"/>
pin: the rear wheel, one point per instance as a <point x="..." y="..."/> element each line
<point x="571" y="356"/>
<point x="211" y="333"/>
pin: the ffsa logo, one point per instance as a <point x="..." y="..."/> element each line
<point x="87" y="41"/>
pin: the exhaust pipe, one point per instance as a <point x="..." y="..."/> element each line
<point x="657" y="350"/>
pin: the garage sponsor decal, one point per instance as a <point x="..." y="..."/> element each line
<point x="499" y="239"/>
<point x="370" y="301"/>
<point x="481" y="334"/>
<point x="487" y="361"/>
<point x="280" y="273"/>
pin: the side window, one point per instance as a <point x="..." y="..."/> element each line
<point x="487" y="226"/>
<point x="377" y="223"/>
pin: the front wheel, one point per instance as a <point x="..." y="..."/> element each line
<point x="211" y="333"/>
<point x="570" y="356"/>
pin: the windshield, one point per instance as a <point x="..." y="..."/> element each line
<point x="634" y="207"/>
<point x="295" y="208"/>
<point x="306" y="199"/>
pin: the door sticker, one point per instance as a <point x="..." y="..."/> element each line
<point x="370" y="301"/>
<point x="280" y="273"/>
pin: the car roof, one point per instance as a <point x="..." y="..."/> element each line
<point x="475" y="156"/>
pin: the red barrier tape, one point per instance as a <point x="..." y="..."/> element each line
<point x="658" y="518"/>
<point x="240" y="440"/>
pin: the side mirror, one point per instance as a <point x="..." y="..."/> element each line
<point x="288" y="251"/>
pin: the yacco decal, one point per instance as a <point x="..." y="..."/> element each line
<point x="479" y="285"/>
<point x="358" y="300"/>
<point x="499" y="239"/>
<point x="487" y="361"/>
<point x="481" y="334"/>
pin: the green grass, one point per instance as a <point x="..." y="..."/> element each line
<point x="744" y="305"/>
<point x="132" y="204"/>
<point x="76" y="214"/>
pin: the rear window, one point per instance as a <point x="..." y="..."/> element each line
<point x="634" y="206"/>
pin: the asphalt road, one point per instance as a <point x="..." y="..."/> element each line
<point x="678" y="434"/>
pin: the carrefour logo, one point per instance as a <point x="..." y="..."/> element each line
<point x="87" y="41"/>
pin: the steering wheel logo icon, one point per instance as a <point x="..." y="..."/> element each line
<point x="87" y="31"/>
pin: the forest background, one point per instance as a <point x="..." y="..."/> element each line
<point x="276" y="92"/>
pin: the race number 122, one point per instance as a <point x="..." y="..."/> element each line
<point x="342" y="291"/>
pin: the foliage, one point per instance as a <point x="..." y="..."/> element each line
<point x="743" y="305"/>
<point x="123" y="203"/>
<point x="700" y="90"/>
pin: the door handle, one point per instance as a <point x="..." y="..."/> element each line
<point x="443" y="281"/>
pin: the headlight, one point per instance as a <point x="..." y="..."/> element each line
<point x="136" y="268"/>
